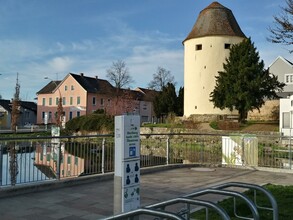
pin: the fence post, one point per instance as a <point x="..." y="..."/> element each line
<point x="202" y="151"/>
<point x="59" y="155"/>
<point x="167" y="150"/>
<point x="243" y="158"/>
<point x="1" y="161"/>
<point x="103" y="155"/>
<point x="290" y="153"/>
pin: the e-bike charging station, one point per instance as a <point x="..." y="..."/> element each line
<point x="127" y="163"/>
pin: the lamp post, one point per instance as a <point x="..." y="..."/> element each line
<point x="59" y="107"/>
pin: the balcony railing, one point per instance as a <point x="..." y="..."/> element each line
<point x="26" y="160"/>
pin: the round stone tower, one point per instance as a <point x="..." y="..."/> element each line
<point x="205" y="50"/>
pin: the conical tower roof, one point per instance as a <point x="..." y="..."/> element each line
<point x="215" y="20"/>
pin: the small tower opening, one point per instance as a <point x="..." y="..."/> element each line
<point x="227" y="46"/>
<point x="198" y="47"/>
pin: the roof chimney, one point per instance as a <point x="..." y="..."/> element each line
<point x="97" y="77"/>
<point x="81" y="74"/>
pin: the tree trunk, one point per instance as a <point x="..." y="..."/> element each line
<point x="242" y="116"/>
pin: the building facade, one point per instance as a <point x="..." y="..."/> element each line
<point x="82" y="95"/>
<point x="283" y="69"/>
<point x="286" y="116"/>
<point x="27" y="114"/>
<point x="205" y="50"/>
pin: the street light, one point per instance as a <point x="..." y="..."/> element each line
<point x="59" y="107"/>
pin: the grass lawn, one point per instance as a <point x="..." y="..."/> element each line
<point x="282" y="194"/>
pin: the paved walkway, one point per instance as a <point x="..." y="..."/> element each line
<point x="95" y="200"/>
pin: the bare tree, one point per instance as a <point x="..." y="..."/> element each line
<point x="15" y="106"/>
<point x="13" y="166"/>
<point x="160" y="79"/>
<point x="59" y="114"/>
<point x="119" y="74"/>
<point x="282" y="32"/>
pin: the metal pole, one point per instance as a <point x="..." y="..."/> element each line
<point x="1" y="164"/>
<point x="290" y="153"/>
<point x="168" y="148"/>
<point x="103" y="155"/>
<point x="58" y="160"/>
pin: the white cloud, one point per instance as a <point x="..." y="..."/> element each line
<point x="60" y="64"/>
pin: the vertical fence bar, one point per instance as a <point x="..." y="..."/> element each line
<point x="58" y="160"/>
<point x="168" y="150"/>
<point x="1" y="163"/>
<point x="290" y="153"/>
<point x="103" y="156"/>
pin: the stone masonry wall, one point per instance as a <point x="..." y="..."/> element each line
<point x="268" y="112"/>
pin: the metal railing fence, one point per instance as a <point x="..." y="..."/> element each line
<point x="25" y="160"/>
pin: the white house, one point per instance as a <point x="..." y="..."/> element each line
<point x="205" y="50"/>
<point x="283" y="69"/>
<point x="286" y="116"/>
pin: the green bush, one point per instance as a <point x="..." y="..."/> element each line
<point x="214" y="125"/>
<point x="92" y="122"/>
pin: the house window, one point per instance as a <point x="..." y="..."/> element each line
<point x="70" y="115"/>
<point x="43" y="115"/>
<point x="63" y="101"/>
<point x="71" y="100"/>
<point x="72" y="87"/>
<point x="198" y="47"/>
<point x="77" y="114"/>
<point x="57" y="100"/>
<point x="78" y="100"/>
<point x="65" y="88"/>
<point x="289" y="78"/>
<point x="227" y="46"/>
<point x="102" y="101"/>
<point x="94" y="100"/>
<point x="50" y="115"/>
<point x="50" y="101"/>
<point x="44" y="101"/>
<point x="286" y="120"/>
<point x="76" y="160"/>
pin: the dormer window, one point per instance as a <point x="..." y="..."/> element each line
<point x="198" y="47"/>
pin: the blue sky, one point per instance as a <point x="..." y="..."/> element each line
<point x="51" y="38"/>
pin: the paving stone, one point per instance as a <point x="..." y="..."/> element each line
<point x="95" y="200"/>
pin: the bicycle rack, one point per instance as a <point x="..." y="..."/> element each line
<point x="189" y="201"/>
<point x="158" y="209"/>
<point x="250" y="204"/>
<point x="254" y="187"/>
<point x="146" y="211"/>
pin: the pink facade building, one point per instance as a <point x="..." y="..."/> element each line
<point x="82" y="95"/>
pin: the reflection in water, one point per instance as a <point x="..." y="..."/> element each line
<point x="37" y="162"/>
<point x="13" y="165"/>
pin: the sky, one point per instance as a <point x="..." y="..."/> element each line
<point x="51" y="38"/>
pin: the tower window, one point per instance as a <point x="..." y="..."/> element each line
<point x="198" y="47"/>
<point x="227" y="46"/>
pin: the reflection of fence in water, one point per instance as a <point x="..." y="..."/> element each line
<point x="25" y="158"/>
